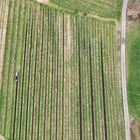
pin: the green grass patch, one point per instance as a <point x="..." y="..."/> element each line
<point x="133" y="71"/>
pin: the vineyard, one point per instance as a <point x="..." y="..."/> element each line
<point x="68" y="84"/>
<point x="103" y="8"/>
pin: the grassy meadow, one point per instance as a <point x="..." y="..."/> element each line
<point x="133" y="70"/>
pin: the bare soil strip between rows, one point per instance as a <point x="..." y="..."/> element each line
<point x="80" y="97"/>
<point x="91" y="92"/>
<point x="103" y="92"/>
<point x="45" y="101"/>
<point x="85" y="88"/>
<point x="63" y="86"/>
<point x="52" y="82"/>
<point x="34" y="88"/>
<point x="15" y="106"/>
<point x="42" y="47"/>
<point x="57" y="80"/>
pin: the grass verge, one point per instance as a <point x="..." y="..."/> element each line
<point x="133" y="70"/>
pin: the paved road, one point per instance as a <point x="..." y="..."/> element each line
<point x="123" y="70"/>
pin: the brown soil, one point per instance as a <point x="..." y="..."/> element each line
<point x="2" y="138"/>
<point x="43" y="1"/>
<point x="135" y="129"/>
<point x="68" y="37"/>
<point x="133" y="12"/>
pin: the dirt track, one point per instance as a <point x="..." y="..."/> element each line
<point x="123" y="71"/>
<point x="2" y="138"/>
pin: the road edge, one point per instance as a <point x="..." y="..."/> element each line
<point x="123" y="70"/>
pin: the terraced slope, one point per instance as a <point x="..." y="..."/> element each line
<point x="68" y="85"/>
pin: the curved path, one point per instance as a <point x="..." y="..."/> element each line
<point x="123" y="70"/>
